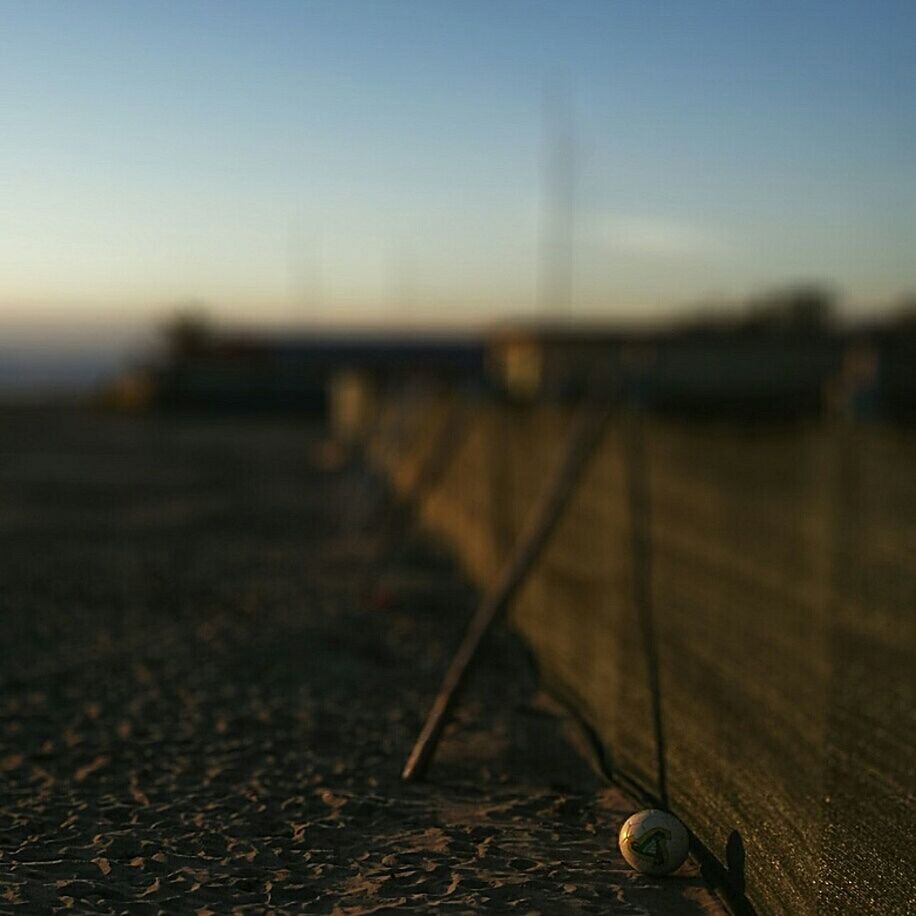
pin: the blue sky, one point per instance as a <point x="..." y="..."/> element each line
<point x="291" y="161"/>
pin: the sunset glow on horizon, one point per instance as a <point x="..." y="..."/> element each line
<point x="338" y="162"/>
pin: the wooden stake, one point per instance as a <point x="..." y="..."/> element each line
<point x="582" y="439"/>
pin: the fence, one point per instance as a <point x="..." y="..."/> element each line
<point x="730" y="608"/>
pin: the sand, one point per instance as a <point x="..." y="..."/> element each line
<point x="201" y="712"/>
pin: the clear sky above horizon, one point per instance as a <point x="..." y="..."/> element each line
<point x="291" y="161"/>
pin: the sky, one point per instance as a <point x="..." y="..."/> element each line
<point x="296" y="162"/>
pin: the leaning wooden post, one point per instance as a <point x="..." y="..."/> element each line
<point x="582" y="439"/>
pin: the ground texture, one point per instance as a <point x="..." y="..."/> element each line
<point x="201" y="712"/>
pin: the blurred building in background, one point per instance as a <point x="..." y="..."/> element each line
<point x="201" y="368"/>
<point x="781" y="355"/>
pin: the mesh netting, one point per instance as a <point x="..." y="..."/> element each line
<point x="730" y="608"/>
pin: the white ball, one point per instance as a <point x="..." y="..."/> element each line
<point x="654" y="842"/>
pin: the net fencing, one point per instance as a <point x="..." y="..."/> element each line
<point x="730" y="608"/>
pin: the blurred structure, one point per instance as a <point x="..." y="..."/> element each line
<point x="784" y="354"/>
<point x="201" y="368"/>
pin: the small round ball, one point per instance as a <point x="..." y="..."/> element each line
<point x="654" y="842"/>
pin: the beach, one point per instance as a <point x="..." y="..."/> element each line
<point x="213" y="671"/>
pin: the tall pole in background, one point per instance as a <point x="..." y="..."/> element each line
<point x="306" y="275"/>
<point x="555" y="283"/>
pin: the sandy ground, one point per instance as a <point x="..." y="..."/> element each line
<point x="201" y="713"/>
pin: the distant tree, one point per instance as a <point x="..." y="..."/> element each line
<point x="807" y="308"/>
<point x="187" y="332"/>
<point x="904" y="314"/>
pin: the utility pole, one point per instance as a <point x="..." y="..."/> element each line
<point x="555" y="283"/>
